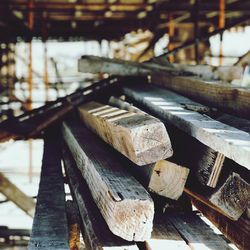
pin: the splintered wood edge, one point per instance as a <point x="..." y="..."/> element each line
<point x="120" y="214"/>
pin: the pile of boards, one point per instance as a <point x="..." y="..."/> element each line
<point x="124" y="165"/>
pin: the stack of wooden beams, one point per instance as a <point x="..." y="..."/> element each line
<point x="135" y="164"/>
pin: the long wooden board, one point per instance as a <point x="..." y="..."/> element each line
<point x="198" y="235"/>
<point x="233" y="143"/>
<point x="140" y="137"/>
<point x="50" y="229"/>
<point x="96" y="233"/>
<point x="236" y="231"/>
<point x="124" y="203"/>
<point x="226" y="97"/>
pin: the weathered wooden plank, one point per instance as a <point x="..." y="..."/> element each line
<point x="14" y="194"/>
<point x="74" y="225"/>
<point x="226" y="97"/>
<point x="95" y="64"/>
<point x="50" y="229"/>
<point x="196" y="232"/>
<point x="124" y="203"/>
<point x="140" y="137"/>
<point x="164" y="235"/>
<point x="233" y="143"/>
<point x="208" y="72"/>
<point x="236" y="231"/>
<point x="164" y="178"/>
<point x="96" y="233"/>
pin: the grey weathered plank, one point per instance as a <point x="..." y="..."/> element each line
<point x="228" y="98"/>
<point x="236" y="231"/>
<point x="165" y="235"/>
<point x="50" y="229"/>
<point x="96" y="233"/>
<point x="124" y="203"/>
<point x="197" y="233"/>
<point x="140" y="137"/>
<point x="233" y="143"/>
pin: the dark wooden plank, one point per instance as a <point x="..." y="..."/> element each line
<point x="197" y="233"/>
<point x="236" y="231"/>
<point x="96" y="233"/>
<point x="50" y="229"/>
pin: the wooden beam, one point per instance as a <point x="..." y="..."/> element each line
<point x="235" y="100"/>
<point x="140" y="137"/>
<point x="14" y="194"/>
<point x="196" y="232"/>
<point x="236" y="231"/>
<point x="124" y="203"/>
<point x="164" y="178"/>
<point x="165" y="235"/>
<point x="96" y="233"/>
<point x="95" y="64"/>
<point x="50" y="229"/>
<point x="233" y="143"/>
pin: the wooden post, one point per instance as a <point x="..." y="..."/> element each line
<point x="30" y="76"/>
<point x="221" y="26"/>
<point x="170" y="35"/>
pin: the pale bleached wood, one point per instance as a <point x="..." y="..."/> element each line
<point x="96" y="233"/>
<point x="206" y="163"/>
<point x="18" y="197"/>
<point x="140" y="137"/>
<point x="168" y="179"/>
<point x="124" y="203"/>
<point x="228" y="98"/>
<point x="232" y="142"/>
<point x="164" y="178"/>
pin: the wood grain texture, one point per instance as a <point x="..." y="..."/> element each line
<point x="50" y="229"/>
<point x="96" y="233"/>
<point x="165" y="235"/>
<point x="226" y="97"/>
<point x="124" y="203"/>
<point x="164" y="178"/>
<point x="233" y="143"/>
<point x="236" y="231"/>
<point x="168" y="179"/>
<point x="196" y="232"/>
<point x="14" y="194"/>
<point x="140" y="137"/>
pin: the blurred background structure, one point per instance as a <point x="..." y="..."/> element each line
<point x="41" y="41"/>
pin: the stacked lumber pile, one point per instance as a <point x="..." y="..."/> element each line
<point x="136" y="164"/>
<point x="126" y="166"/>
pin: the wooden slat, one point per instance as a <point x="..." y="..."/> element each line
<point x="226" y="97"/>
<point x="50" y="229"/>
<point x="140" y="137"/>
<point x="14" y="194"/>
<point x="165" y="235"/>
<point x="124" y="203"/>
<point x="96" y="233"/>
<point x="233" y="143"/>
<point x="236" y="231"/>
<point x="197" y="234"/>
